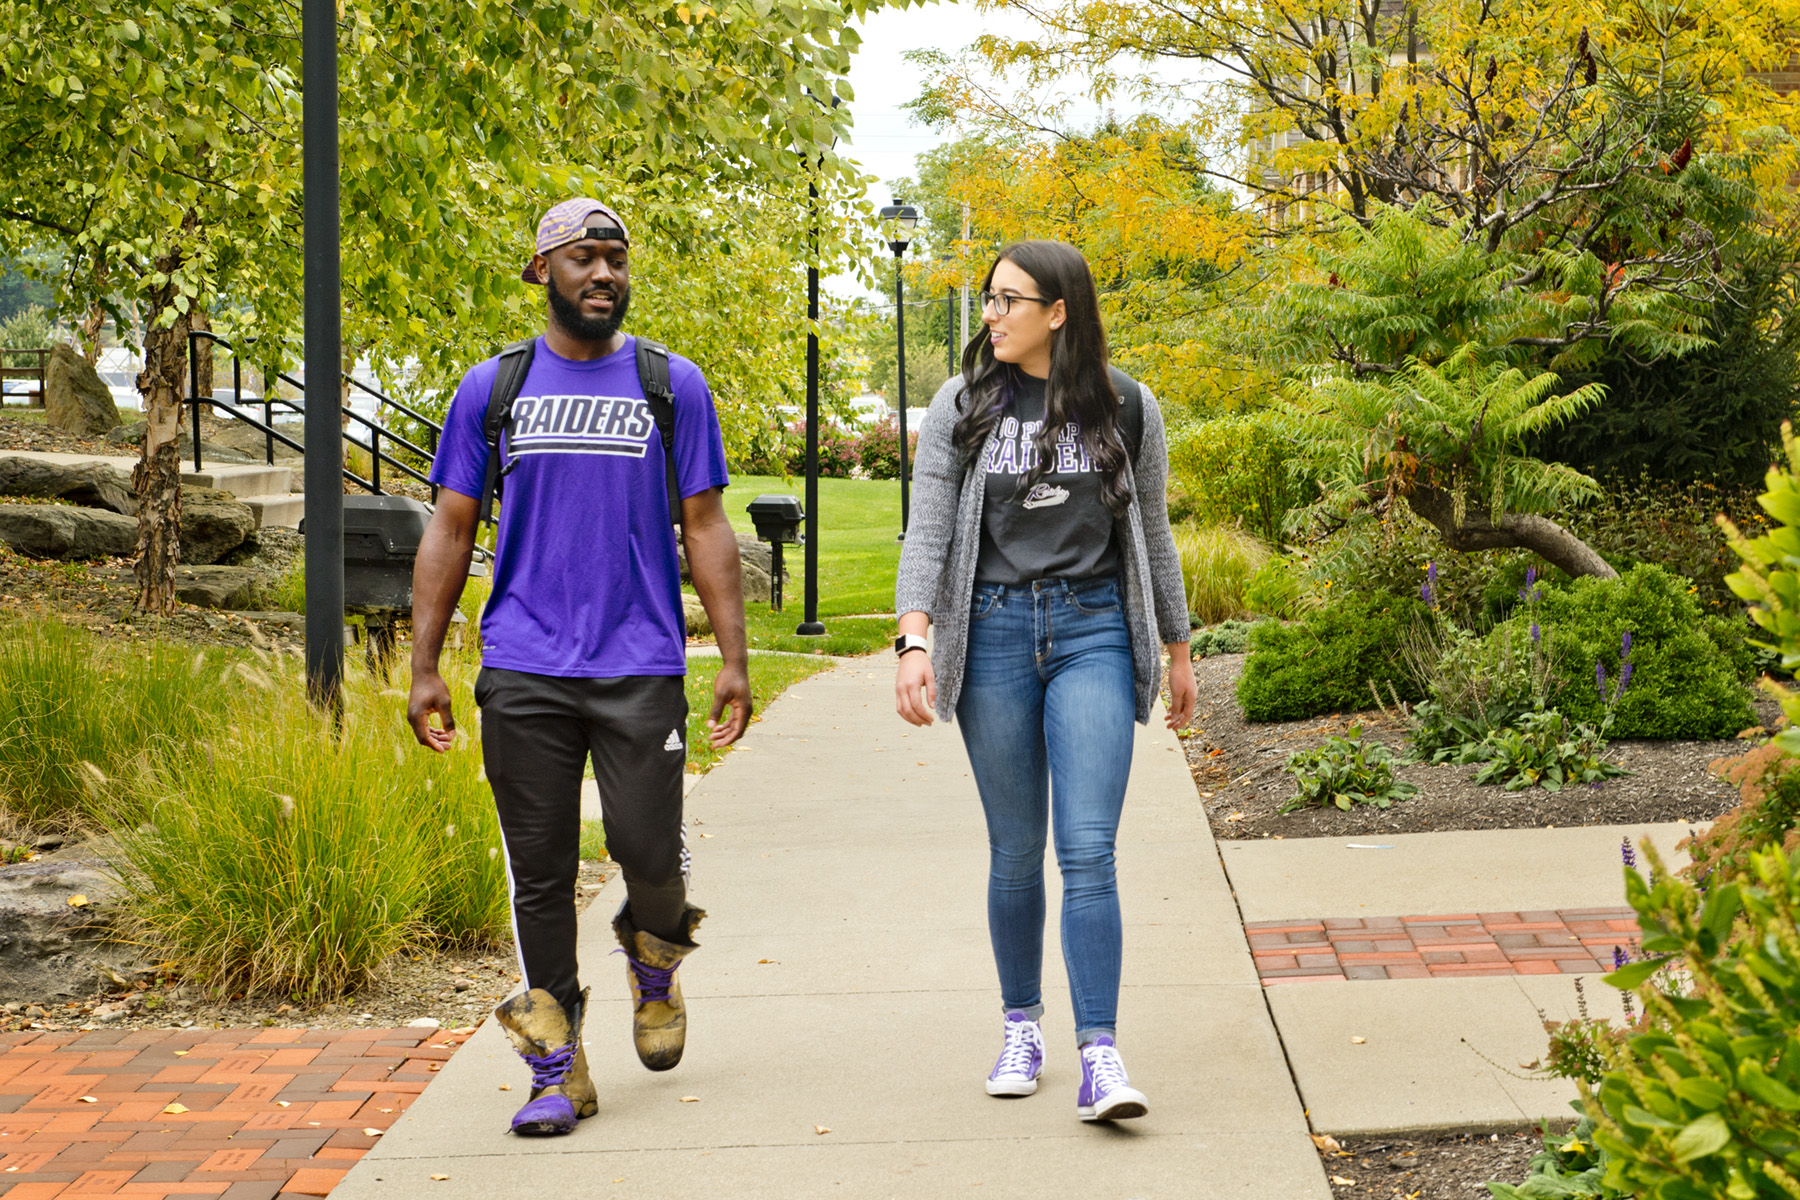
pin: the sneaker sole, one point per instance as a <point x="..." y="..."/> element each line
<point x="1122" y="1109"/>
<point x="1011" y="1087"/>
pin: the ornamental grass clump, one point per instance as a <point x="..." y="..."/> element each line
<point x="297" y="854"/>
<point x="1217" y="562"/>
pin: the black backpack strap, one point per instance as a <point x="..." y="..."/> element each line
<point x="1131" y="410"/>
<point x="515" y="364"/>
<point x="653" y="377"/>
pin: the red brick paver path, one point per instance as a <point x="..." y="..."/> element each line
<point x="247" y="1114"/>
<point x="1565" y="942"/>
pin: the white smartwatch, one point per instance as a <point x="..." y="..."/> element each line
<point x="909" y="641"/>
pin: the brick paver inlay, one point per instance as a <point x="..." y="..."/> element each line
<point x="247" y="1114"/>
<point x="1562" y="942"/>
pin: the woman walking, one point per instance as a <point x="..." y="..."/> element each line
<point x="1039" y="548"/>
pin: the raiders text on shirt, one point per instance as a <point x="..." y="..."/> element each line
<point x="580" y="425"/>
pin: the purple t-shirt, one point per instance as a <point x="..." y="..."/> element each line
<point x="586" y="581"/>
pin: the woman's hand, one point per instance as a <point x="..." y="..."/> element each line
<point x="1182" y="690"/>
<point x="915" y="688"/>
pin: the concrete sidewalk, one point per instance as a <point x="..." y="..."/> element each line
<point x="844" y="1008"/>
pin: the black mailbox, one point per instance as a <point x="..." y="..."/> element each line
<point x="777" y="519"/>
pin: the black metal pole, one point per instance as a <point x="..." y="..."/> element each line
<point x="194" y="394"/>
<point x="324" y="359"/>
<point x="900" y="326"/>
<point x="950" y="326"/>
<point x="812" y="626"/>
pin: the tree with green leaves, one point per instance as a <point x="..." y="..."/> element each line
<point x="156" y="147"/>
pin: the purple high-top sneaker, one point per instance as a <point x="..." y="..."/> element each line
<point x="1106" y="1093"/>
<point x="1021" y="1059"/>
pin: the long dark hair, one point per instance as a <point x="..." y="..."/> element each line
<point x="1079" y="389"/>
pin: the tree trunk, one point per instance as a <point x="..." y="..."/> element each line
<point x="157" y="479"/>
<point x="1477" y="531"/>
<point x="89" y="331"/>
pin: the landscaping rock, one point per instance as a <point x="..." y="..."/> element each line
<point x="221" y="587"/>
<point x="246" y="439"/>
<point x="132" y="435"/>
<point x="91" y="485"/>
<point x="758" y="562"/>
<point x="75" y="400"/>
<point x="757" y="584"/>
<point x="273" y="548"/>
<point x="60" y="531"/>
<point x="697" y="623"/>
<point x="49" y="947"/>
<point x="213" y="524"/>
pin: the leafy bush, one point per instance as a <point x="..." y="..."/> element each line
<point x="1687" y="668"/>
<point x="1392" y="555"/>
<point x="1345" y="771"/>
<point x="1477" y="686"/>
<point x="1702" y="1102"/>
<point x="1227" y="637"/>
<point x="1767" y="814"/>
<point x="1216" y="564"/>
<point x="31" y="328"/>
<point x="1541" y="749"/>
<point x="1276" y="589"/>
<point x="878" y="448"/>
<point x="1236" y="469"/>
<point x="297" y="855"/>
<point x="837" y="451"/>
<point x="1328" y="659"/>
<point x="1569" y="1165"/>
<point x="1672" y="525"/>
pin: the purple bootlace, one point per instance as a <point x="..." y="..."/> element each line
<point x="653" y="982"/>
<point x="548" y="1070"/>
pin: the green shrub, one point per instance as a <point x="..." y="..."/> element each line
<point x="1541" y="749"/>
<point x="1236" y="469"/>
<point x="1686" y="669"/>
<point x="296" y="855"/>
<point x="1704" y="1101"/>
<point x="1767" y="814"/>
<point x="878" y="449"/>
<point x="31" y="328"/>
<point x="1569" y="1165"/>
<point x="1227" y="637"/>
<point x="1327" y="660"/>
<point x="1345" y="771"/>
<point x="1277" y="588"/>
<point x="1217" y="562"/>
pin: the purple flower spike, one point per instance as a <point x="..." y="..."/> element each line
<point x="1624" y="679"/>
<point x="1620" y="958"/>
<point x="1628" y="854"/>
<point x="1425" y="592"/>
<point x="1530" y="576"/>
<point x="1537" y="635"/>
<point x="1600" y="680"/>
<point x="1625" y="646"/>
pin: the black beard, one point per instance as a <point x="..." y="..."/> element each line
<point x="567" y="313"/>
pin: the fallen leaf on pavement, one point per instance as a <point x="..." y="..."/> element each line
<point x="373" y="1132"/>
<point x="821" y="1129"/>
<point x="1357" y="1041"/>
<point x="690" y="1099"/>
<point x="285" y="1103"/>
<point x="440" y="1177"/>
<point x="176" y="1109"/>
<point x="1325" y="1141"/>
<point x="506" y="1087"/>
<point x="88" y="1099"/>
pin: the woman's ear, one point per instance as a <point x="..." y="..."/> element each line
<point x="1059" y="312"/>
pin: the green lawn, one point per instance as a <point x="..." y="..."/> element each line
<point x="770" y="675"/>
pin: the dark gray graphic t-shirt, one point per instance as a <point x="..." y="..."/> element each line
<point x="1058" y="528"/>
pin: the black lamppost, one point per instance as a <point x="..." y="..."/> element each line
<point x="900" y="219"/>
<point x="812" y="626"/>
<point x="324" y="357"/>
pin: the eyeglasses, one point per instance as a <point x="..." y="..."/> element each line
<point x="1003" y="301"/>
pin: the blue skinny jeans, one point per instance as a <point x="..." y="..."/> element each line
<point x="1047" y="705"/>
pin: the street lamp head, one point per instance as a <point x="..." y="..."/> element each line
<point x="900" y="220"/>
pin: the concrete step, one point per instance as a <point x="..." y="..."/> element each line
<point x="251" y="479"/>
<point x="277" y="508"/>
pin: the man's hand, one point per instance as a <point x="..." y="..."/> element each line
<point x="430" y="695"/>
<point x="731" y="687"/>
<point x="1182" y="690"/>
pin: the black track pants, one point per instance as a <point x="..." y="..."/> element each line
<point x="537" y="732"/>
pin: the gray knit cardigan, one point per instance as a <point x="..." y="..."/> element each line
<point x="943" y="540"/>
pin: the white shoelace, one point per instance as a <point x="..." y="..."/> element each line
<point x="1022" y="1038"/>
<point x="1107" y="1067"/>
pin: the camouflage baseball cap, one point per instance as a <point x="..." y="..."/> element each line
<point x="568" y="222"/>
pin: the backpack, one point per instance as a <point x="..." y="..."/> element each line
<point x="1131" y="410"/>
<point x="515" y="364"/>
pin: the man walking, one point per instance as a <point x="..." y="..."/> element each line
<point x="599" y="441"/>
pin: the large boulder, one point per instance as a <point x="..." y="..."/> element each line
<point x="61" y="531"/>
<point x="213" y="524"/>
<point x="273" y="549"/>
<point x="221" y="587"/>
<point x="246" y="439"/>
<point x="132" y="435"/>
<point x="75" y="400"/>
<point x="697" y="623"/>
<point x="91" y="485"/>
<point x="50" y="947"/>
<point x="758" y="563"/>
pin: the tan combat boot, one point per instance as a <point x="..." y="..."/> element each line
<point x="550" y="1043"/>
<point x="659" y="1018"/>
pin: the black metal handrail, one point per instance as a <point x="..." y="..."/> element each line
<point x="266" y="426"/>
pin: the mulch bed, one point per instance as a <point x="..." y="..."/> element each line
<point x="1428" y="1166"/>
<point x="1571" y="941"/>
<point x="248" y="1113"/>
<point x="1238" y="768"/>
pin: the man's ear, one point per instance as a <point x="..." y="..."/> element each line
<point x="540" y="267"/>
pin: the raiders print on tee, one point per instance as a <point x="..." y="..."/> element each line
<point x="1058" y="528"/>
